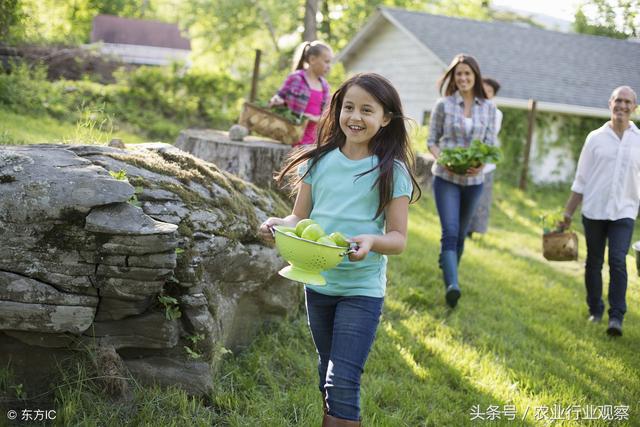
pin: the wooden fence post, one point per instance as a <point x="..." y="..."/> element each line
<point x="256" y="74"/>
<point x="527" y="147"/>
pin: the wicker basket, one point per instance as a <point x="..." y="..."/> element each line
<point x="267" y="123"/>
<point x="560" y="246"/>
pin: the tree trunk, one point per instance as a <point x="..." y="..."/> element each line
<point x="310" y="24"/>
<point x="326" y="22"/>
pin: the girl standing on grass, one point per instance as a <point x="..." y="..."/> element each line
<point x="305" y="91"/>
<point x="356" y="180"/>
<point x="463" y="115"/>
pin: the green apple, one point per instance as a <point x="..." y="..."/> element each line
<point x="326" y="240"/>
<point x="283" y="229"/>
<point x="302" y="224"/>
<point x="339" y="239"/>
<point x="313" y="232"/>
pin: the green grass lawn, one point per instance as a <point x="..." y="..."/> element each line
<point x="17" y="129"/>
<point x="518" y="341"/>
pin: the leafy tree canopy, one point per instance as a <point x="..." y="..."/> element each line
<point x="611" y="18"/>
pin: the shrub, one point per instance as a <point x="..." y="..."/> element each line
<point x="154" y="101"/>
<point x="24" y="89"/>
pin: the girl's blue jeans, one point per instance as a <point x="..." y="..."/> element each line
<point x="343" y="330"/>
<point x="456" y="204"/>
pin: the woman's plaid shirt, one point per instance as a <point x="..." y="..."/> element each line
<point x="446" y="130"/>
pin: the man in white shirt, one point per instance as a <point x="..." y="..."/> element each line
<point x="607" y="183"/>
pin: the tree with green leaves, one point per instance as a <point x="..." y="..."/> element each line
<point x="68" y="22"/>
<point x="611" y="18"/>
<point x="346" y="17"/>
<point x="10" y="18"/>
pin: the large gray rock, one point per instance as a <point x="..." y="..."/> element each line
<point x="30" y="305"/>
<point x="150" y="330"/>
<point x="50" y="181"/>
<point x="192" y="376"/>
<point x="145" y="266"/>
<point x="123" y="218"/>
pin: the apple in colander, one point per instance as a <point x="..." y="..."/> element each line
<point x="339" y="239"/>
<point x="326" y="240"/>
<point x="302" y="225"/>
<point x="313" y="232"/>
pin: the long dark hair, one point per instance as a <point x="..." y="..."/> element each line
<point x="390" y="144"/>
<point x="306" y="50"/>
<point x="447" y="80"/>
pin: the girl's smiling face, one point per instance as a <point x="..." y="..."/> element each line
<point x="361" y="116"/>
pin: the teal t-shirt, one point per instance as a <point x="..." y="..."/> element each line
<point x="341" y="202"/>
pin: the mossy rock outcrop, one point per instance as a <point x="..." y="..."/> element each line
<point x="149" y="253"/>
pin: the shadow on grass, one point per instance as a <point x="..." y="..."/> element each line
<point x="441" y="395"/>
<point x="531" y="319"/>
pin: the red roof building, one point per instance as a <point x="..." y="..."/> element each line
<point x="139" y="41"/>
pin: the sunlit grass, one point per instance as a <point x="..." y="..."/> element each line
<point x="519" y="338"/>
<point x="18" y="129"/>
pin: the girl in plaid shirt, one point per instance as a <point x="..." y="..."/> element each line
<point x="463" y="115"/>
<point x="306" y="91"/>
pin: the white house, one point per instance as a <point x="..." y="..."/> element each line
<point x="138" y="41"/>
<point x="565" y="73"/>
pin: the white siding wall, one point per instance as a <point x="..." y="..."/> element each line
<point x="413" y="72"/>
<point x="551" y="165"/>
<point x="145" y="55"/>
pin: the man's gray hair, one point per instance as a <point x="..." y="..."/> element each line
<point x="633" y="92"/>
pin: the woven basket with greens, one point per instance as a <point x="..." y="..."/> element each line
<point x="460" y="159"/>
<point x="284" y="112"/>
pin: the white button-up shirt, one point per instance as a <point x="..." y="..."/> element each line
<point x="608" y="174"/>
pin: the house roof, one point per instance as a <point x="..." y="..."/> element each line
<point x="571" y="70"/>
<point x="113" y="29"/>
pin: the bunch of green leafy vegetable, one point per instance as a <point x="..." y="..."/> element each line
<point x="284" y="112"/>
<point x="550" y="219"/>
<point x="459" y="159"/>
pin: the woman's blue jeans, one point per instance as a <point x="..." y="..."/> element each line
<point x="456" y="204"/>
<point x="343" y="330"/>
<point x="596" y="233"/>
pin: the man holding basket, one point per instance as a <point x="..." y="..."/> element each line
<point x="607" y="183"/>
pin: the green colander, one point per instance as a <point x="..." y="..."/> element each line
<point x="307" y="258"/>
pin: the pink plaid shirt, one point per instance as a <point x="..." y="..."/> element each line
<point x="296" y="92"/>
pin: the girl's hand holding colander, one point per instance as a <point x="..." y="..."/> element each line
<point x="365" y="243"/>
<point x="265" y="232"/>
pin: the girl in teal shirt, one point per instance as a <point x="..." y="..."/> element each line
<point x="356" y="180"/>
